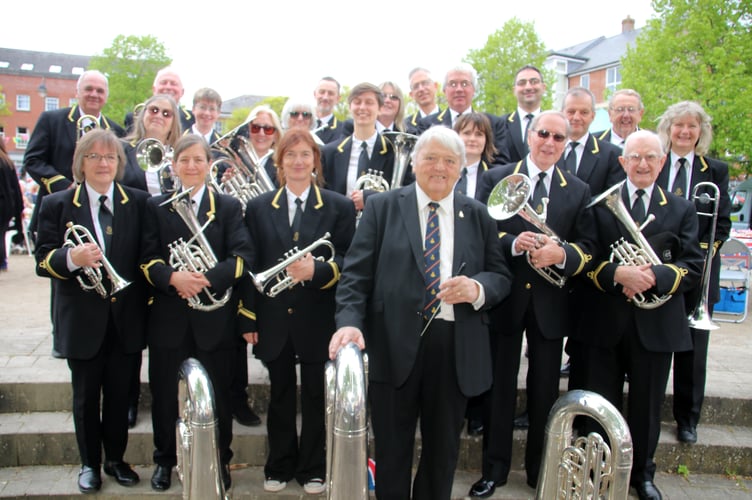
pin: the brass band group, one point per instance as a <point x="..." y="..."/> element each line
<point x="433" y="241"/>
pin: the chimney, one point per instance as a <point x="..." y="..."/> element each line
<point x="627" y="24"/>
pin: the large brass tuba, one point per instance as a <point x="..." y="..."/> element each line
<point x="508" y="198"/>
<point x="700" y="318"/>
<point x="403" y="144"/>
<point x="198" y="454"/>
<point x="347" y="425"/>
<point x="585" y="467"/>
<point x="631" y="254"/>
<point x="195" y="257"/>
<point x="283" y="280"/>
<point x="77" y="235"/>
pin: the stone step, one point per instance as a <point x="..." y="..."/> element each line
<point x="47" y="438"/>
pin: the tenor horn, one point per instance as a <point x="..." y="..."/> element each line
<point x="347" y="425"/>
<point x="77" y="235"/>
<point x="198" y="464"/>
<point x="508" y="198"/>
<point x="585" y="467"/>
<point x="700" y="318"/>
<point x="403" y="144"/>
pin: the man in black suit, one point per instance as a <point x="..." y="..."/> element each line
<point x="327" y="95"/>
<point x="528" y="89"/>
<point x="538" y="305"/>
<point x="423" y="91"/>
<point x="460" y="83"/>
<point x="685" y="131"/>
<point x="100" y="331"/>
<point x="167" y="81"/>
<point x="623" y="336"/>
<point x="625" y="111"/>
<point x="420" y="310"/>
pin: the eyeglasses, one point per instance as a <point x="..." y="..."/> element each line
<point x="268" y="130"/>
<point x="96" y="157"/>
<point x="464" y="84"/>
<point x="391" y="97"/>
<point x="422" y="83"/>
<point x="155" y="110"/>
<point x="204" y="107"/>
<point x="545" y="134"/>
<point x="532" y="81"/>
<point x="304" y="114"/>
<point x="628" y="109"/>
<point x="636" y="159"/>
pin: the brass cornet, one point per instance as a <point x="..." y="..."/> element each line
<point x="85" y="124"/>
<point x="278" y="271"/>
<point x="77" y="235"/>
<point x="508" y="198"/>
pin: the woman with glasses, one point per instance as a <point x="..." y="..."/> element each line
<point x="100" y="331"/>
<point x="299" y="113"/>
<point x="392" y="114"/>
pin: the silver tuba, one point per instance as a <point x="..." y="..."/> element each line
<point x="239" y="153"/>
<point x="283" y="280"/>
<point x="194" y="257"/>
<point x="700" y="318"/>
<point x="197" y="435"/>
<point x="403" y="144"/>
<point x="86" y="123"/>
<point x="508" y="198"/>
<point x="347" y="425"/>
<point x="77" y="235"/>
<point x="625" y="253"/>
<point x="585" y="467"/>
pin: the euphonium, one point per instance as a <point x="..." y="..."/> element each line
<point x="195" y="257"/>
<point x="585" y="467"/>
<point x="284" y="281"/>
<point x="508" y="198"/>
<point x="247" y="163"/>
<point x="78" y="235"/>
<point x="372" y="180"/>
<point x="347" y="425"/>
<point x="700" y="318"/>
<point x="85" y="124"/>
<point x="631" y="254"/>
<point x="403" y="144"/>
<point x="198" y="454"/>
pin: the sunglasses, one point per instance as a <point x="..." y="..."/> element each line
<point x="155" y="110"/>
<point x="304" y="114"/>
<point x="391" y="97"/>
<point x="268" y="130"/>
<point x="545" y="134"/>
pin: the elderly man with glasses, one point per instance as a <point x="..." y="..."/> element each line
<point x="625" y="111"/>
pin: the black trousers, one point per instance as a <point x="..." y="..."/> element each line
<point x="105" y="377"/>
<point x="690" y="369"/>
<point x="431" y="394"/>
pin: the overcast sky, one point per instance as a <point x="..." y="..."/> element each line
<point x="279" y="47"/>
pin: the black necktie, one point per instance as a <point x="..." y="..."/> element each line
<point x="529" y="117"/>
<point x="296" y="219"/>
<point x="539" y="193"/>
<point x="363" y="159"/>
<point x="461" y="186"/>
<point x="432" y="271"/>
<point x="680" y="181"/>
<point x="571" y="161"/>
<point x="319" y="123"/>
<point x="638" y="208"/>
<point x="105" y="223"/>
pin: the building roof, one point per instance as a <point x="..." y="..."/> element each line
<point x="598" y="53"/>
<point x="28" y="62"/>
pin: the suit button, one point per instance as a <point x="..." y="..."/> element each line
<point x="528" y="286"/>
<point x="113" y="299"/>
<point x="290" y="310"/>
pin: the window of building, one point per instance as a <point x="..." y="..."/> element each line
<point x="2" y="131"/>
<point x="77" y="70"/>
<point x="613" y="78"/>
<point x="585" y="81"/>
<point x="27" y="67"/>
<point x="72" y="102"/>
<point x="55" y="68"/>
<point x="22" y="137"/>
<point x="4" y="64"/>
<point x="23" y="103"/>
<point x="51" y="103"/>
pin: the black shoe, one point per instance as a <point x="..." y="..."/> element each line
<point x="132" y="415"/>
<point x="521" y="421"/>
<point x="474" y="427"/>
<point x="122" y="472"/>
<point x="647" y="491"/>
<point x="687" y="435"/>
<point x="564" y="370"/>
<point x="89" y="479"/>
<point x="484" y="488"/>
<point x="226" y="478"/>
<point x="531" y="483"/>
<point x="162" y="478"/>
<point x="245" y="416"/>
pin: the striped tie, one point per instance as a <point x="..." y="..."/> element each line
<point x="432" y="274"/>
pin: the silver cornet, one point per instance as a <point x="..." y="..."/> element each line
<point x="278" y="271"/>
<point x="77" y="235"/>
<point x="508" y="198"/>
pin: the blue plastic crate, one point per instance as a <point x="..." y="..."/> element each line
<point x="732" y="300"/>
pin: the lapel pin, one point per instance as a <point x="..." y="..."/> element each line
<point x="462" y="214"/>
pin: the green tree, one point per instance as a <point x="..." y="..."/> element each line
<point x="4" y="111"/>
<point x="275" y="102"/>
<point x="698" y="50"/>
<point x="131" y="64"/>
<point x="508" y="49"/>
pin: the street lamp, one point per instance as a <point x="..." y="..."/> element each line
<point x="42" y="89"/>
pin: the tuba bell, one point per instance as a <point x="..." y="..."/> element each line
<point x="585" y="467"/>
<point x="403" y="144"/>
<point x="154" y="157"/>
<point x="77" y="235"/>
<point x="198" y="464"/>
<point x="700" y="318"/>
<point x="347" y="425"/>
<point x="631" y="254"/>
<point x="508" y="198"/>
